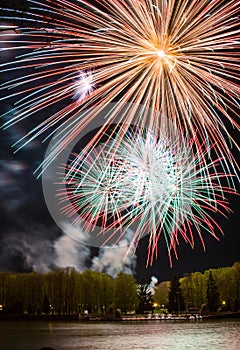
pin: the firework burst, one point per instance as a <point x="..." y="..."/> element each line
<point x="148" y="183"/>
<point x="179" y="58"/>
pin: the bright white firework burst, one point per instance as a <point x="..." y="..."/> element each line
<point x="159" y="186"/>
<point x="84" y="86"/>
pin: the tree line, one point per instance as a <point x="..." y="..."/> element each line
<point x="214" y="289"/>
<point x="66" y="291"/>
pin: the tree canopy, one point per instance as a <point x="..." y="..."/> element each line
<point x="69" y="292"/>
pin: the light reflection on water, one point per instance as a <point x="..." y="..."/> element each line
<point x="152" y="335"/>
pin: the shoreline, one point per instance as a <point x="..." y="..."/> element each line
<point x="111" y="318"/>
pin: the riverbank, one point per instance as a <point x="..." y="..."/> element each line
<point x="26" y="317"/>
<point x="123" y="318"/>
<point x="157" y="317"/>
<point x="224" y="315"/>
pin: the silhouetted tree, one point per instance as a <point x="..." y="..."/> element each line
<point x="213" y="301"/>
<point x="161" y="293"/>
<point x="236" y="289"/>
<point x="145" y="296"/>
<point x="17" y="307"/>
<point x="194" y="289"/>
<point x="30" y="309"/>
<point x="176" y="301"/>
<point x="106" y="293"/>
<point x="46" y="306"/>
<point x="125" y="292"/>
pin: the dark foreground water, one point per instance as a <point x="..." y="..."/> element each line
<point x="152" y="335"/>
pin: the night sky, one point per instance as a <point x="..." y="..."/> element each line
<point x="31" y="241"/>
<point x="29" y="234"/>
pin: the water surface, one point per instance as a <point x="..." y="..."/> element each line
<point x="152" y="335"/>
